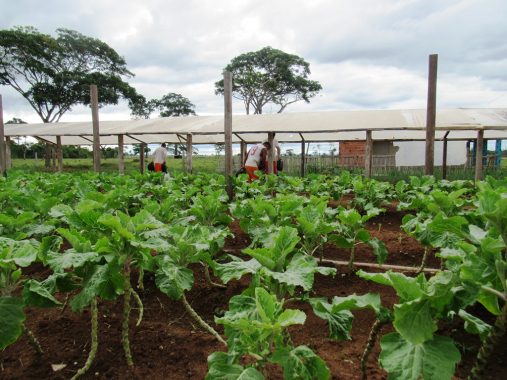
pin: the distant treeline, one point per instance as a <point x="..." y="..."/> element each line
<point x="69" y="151"/>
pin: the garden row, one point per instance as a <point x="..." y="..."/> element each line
<point x="91" y="233"/>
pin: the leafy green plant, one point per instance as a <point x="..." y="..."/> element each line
<point x="350" y="232"/>
<point x="185" y="246"/>
<point x="256" y="327"/>
<point x="14" y="256"/>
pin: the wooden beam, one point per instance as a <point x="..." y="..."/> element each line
<point x="8" y="153"/>
<point x="189" y="153"/>
<point x="303" y="155"/>
<point x="141" y="158"/>
<point x="444" y="156"/>
<point x="478" y="155"/>
<point x="271" y="152"/>
<point x="53" y="157"/>
<point x="121" y="157"/>
<point x="59" y="153"/>
<point x="228" y="132"/>
<point x="431" y="115"/>
<point x="94" y="102"/>
<point x="242" y="151"/>
<point x="3" y="160"/>
<point x="368" y="155"/>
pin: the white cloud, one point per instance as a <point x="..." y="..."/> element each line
<point x="366" y="53"/>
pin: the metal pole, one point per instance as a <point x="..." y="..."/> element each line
<point x="228" y="132"/>
<point x="8" y="153"/>
<point x="431" y="115"/>
<point x="94" y="102"/>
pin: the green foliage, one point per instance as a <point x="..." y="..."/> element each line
<point x="269" y="76"/>
<point x="54" y="74"/>
<point x="433" y="359"/>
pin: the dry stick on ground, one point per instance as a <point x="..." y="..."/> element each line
<point x="95" y="341"/>
<point x="201" y="321"/>
<point x="494" y="339"/>
<point x="34" y="342"/>
<point x="378" y="266"/>
<point x="375" y="330"/>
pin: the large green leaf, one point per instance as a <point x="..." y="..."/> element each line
<point x="301" y="363"/>
<point x="300" y="272"/>
<point x="36" y="294"/>
<point x="414" y="322"/>
<point x="475" y="325"/>
<point x="173" y="279"/>
<point x="236" y="268"/>
<point x="221" y="367"/>
<point x="11" y="320"/>
<point x="22" y="253"/>
<point x="340" y="322"/>
<point x="104" y="281"/>
<point x="379" y="249"/>
<point x="69" y="259"/>
<point x="434" y="359"/>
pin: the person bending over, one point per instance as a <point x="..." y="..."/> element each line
<point x="256" y="159"/>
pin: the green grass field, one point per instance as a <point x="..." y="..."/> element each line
<point x="207" y="164"/>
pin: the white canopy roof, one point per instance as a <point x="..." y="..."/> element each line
<point x="325" y="126"/>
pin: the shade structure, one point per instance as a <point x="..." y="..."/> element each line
<point x="324" y="126"/>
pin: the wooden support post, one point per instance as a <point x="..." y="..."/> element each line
<point x="303" y="156"/>
<point x="444" y="157"/>
<point x="59" y="153"/>
<point x="271" y="152"/>
<point x="94" y="102"/>
<point x="478" y="155"/>
<point x="189" y="153"/>
<point x="3" y="161"/>
<point x="243" y="151"/>
<point x="8" y="153"/>
<point x="485" y="153"/>
<point x="498" y="153"/>
<point x="141" y="158"/>
<point x="121" y="156"/>
<point x="431" y="115"/>
<point x="53" y="158"/>
<point x="228" y="132"/>
<point x="368" y="155"/>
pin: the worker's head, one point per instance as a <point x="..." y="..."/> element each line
<point x="163" y="145"/>
<point x="266" y="144"/>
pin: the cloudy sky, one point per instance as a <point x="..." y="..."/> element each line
<point x="367" y="54"/>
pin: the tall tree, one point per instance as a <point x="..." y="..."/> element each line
<point x="171" y="104"/>
<point x="269" y="76"/>
<point x="54" y="74"/>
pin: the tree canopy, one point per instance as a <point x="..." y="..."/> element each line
<point x="269" y="76"/>
<point x="171" y="104"/>
<point x="54" y="74"/>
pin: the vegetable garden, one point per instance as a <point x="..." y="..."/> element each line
<point x="107" y="276"/>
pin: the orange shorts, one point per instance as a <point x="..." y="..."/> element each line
<point x="158" y="167"/>
<point x="250" y="170"/>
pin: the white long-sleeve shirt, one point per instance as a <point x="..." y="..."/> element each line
<point x="254" y="155"/>
<point x="159" y="155"/>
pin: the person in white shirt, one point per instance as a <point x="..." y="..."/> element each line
<point x="276" y="156"/>
<point x="159" y="157"/>
<point x="256" y="155"/>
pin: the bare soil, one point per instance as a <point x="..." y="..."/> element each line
<point x="169" y="345"/>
